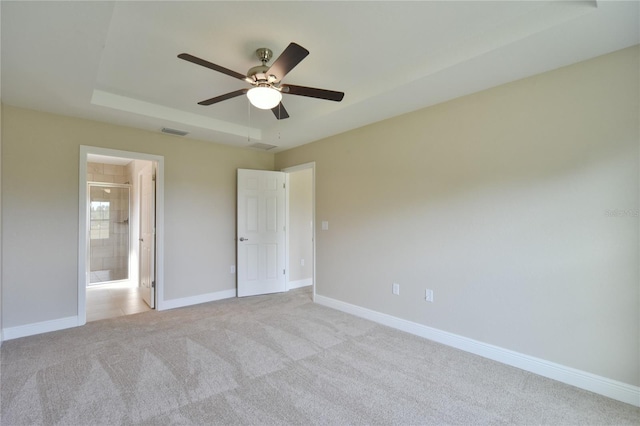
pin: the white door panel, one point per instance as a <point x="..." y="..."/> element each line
<point x="261" y="233"/>
<point x="147" y="235"/>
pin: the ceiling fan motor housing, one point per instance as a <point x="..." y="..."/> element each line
<point x="258" y="74"/>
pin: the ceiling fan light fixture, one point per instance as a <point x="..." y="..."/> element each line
<point x="265" y="79"/>
<point x="264" y="97"/>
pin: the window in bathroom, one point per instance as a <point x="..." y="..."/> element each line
<point x="100" y="220"/>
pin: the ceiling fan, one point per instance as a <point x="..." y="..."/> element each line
<point x="267" y="89"/>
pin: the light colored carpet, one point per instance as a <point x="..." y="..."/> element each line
<point x="267" y="360"/>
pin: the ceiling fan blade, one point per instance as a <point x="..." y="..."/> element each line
<point x="292" y="55"/>
<point x="207" y="64"/>
<point x="280" y="112"/>
<point x="311" y="92"/>
<point x="223" y="97"/>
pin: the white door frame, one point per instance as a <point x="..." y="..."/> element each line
<point x="83" y="237"/>
<point x="305" y="166"/>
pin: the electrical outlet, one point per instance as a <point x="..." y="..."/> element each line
<point x="395" y="288"/>
<point x="232" y="269"/>
<point x="428" y="295"/>
<point x="301" y="262"/>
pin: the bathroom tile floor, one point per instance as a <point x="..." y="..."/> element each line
<point x="114" y="300"/>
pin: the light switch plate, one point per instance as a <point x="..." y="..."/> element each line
<point x="428" y="295"/>
<point x="325" y="225"/>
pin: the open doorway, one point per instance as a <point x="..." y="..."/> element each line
<point x="119" y="237"/>
<point x="300" y="226"/>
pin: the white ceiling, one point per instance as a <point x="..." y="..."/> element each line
<point x="117" y="61"/>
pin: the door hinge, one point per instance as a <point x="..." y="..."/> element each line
<point x="284" y="185"/>
<point x="283" y="272"/>
<point x="153" y="178"/>
<point x="153" y="284"/>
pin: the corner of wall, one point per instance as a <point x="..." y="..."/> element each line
<point x="1" y="106"/>
<point x="1" y="330"/>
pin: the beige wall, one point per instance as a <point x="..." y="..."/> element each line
<point x="517" y="206"/>
<point x="300" y="219"/>
<point x="40" y="178"/>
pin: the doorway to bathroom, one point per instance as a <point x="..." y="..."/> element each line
<point x="119" y="271"/>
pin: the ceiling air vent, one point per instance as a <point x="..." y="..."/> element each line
<point x="174" y="131"/>
<point x="264" y="146"/>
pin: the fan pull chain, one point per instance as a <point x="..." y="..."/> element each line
<point x="279" y="120"/>
<point x="249" y="127"/>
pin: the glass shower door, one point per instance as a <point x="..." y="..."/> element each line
<point x="108" y="233"/>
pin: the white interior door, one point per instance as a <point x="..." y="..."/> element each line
<point x="147" y="235"/>
<point x="261" y="232"/>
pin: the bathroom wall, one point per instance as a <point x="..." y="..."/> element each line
<point x="99" y="172"/>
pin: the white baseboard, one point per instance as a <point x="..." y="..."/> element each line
<point x="39" y="327"/>
<point x="62" y="323"/>
<point x="196" y="300"/>
<point x="581" y="379"/>
<point x="299" y="283"/>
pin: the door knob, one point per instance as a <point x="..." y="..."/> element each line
<point x="244" y="239"/>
